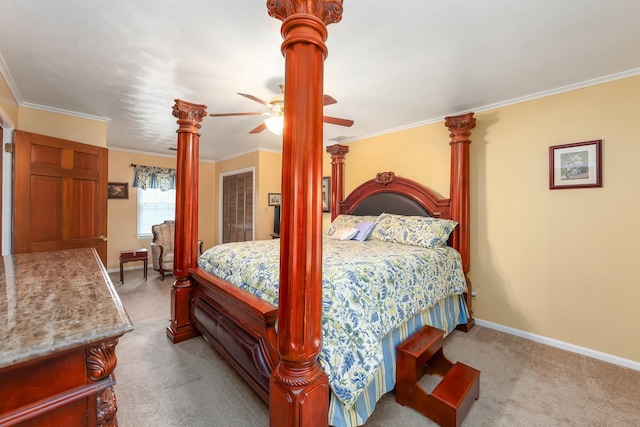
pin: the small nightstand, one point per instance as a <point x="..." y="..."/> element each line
<point x="133" y="255"/>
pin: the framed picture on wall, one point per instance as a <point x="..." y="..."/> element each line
<point x="118" y="190"/>
<point x="326" y="194"/>
<point x="576" y="165"/>
<point x="274" y="199"/>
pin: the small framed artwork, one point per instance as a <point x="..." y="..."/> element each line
<point x="576" y="165"/>
<point x="274" y="199"/>
<point x="326" y="193"/>
<point x="118" y="190"/>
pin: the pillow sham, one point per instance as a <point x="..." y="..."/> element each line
<point x="422" y="231"/>
<point x="348" y="221"/>
<point x="365" y="228"/>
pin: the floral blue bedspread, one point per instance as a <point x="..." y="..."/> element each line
<point x="369" y="288"/>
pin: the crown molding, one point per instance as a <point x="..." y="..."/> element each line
<point x="6" y="75"/>
<point x="562" y="89"/>
<point x="65" y="112"/>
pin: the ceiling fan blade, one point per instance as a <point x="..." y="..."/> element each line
<point x="259" y="128"/>
<point x="235" y="114"/>
<point x="328" y="100"/>
<point x="337" y="121"/>
<point x="253" y="98"/>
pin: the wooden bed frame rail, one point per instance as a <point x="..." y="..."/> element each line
<point x="240" y="326"/>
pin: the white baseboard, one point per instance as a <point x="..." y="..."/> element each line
<point x="627" y="363"/>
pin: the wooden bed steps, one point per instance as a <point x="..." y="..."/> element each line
<point x="452" y="398"/>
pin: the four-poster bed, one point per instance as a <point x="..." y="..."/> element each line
<point x="276" y="348"/>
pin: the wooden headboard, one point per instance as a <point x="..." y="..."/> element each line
<point x="392" y="194"/>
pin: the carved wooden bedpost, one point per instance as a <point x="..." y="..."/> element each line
<point x="459" y="132"/>
<point x="186" y="227"/>
<point x="299" y="388"/>
<point x="337" y="152"/>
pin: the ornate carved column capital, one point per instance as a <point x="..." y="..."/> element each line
<point x="460" y="127"/>
<point x="328" y="11"/>
<point x="189" y="115"/>
<point x="337" y="152"/>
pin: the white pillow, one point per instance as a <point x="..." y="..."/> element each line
<point x="348" y="221"/>
<point x="345" y="233"/>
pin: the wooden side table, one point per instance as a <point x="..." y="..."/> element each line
<point x="134" y="255"/>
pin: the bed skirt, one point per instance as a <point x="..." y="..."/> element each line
<point x="445" y="315"/>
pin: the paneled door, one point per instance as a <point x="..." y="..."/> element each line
<point x="237" y="207"/>
<point x="60" y="195"/>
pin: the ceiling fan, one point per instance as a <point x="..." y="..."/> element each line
<point x="274" y="121"/>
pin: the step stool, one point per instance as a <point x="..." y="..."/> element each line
<point x="452" y="398"/>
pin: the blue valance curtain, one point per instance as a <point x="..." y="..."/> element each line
<point x="154" y="177"/>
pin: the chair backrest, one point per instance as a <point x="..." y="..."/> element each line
<point x="164" y="234"/>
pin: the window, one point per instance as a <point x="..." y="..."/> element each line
<point x="154" y="206"/>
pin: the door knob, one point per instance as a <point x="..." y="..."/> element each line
<point x="102" y="238"/>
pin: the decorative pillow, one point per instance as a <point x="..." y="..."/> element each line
<point x="348" y="221"/>
<point x="422" y="231"/>
<point x="365" y="228"/>
<point x="345" y="233"/>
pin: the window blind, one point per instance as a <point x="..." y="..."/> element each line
<point x="154" y="207"/>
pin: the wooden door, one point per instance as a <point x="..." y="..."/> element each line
<point x="237" y="207"/>
<point x="60" y="195"/>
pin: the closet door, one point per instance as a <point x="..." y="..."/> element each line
<point x="237" y="207"/>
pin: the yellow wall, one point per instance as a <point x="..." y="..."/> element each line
<point x="267" y="176"/>
<point x="269" y="181"/>
<point x="122" y="214"/>
<point x="8" y="103"/>
<point x="556" y="263"/>
<point x="559" y="263"/>
<point x="63" y="126"/>
<point x="417" y="153"/>
<point x="73" y="128"/>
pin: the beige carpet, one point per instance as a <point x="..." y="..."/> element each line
<point x="522" y="383"/>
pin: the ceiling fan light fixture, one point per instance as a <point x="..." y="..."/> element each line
<point x="275" y="124"/>
<point x="275" y="120"/>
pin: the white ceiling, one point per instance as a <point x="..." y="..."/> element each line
<point x="391" y="64"/>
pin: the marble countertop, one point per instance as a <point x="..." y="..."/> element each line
<point x="54" y="301"/>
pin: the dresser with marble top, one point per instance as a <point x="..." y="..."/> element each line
<point x="60" y="320"/>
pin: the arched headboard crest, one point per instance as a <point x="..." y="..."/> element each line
<point x="392" y="194"/>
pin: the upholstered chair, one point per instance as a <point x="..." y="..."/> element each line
<point x="162" y="247"/>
